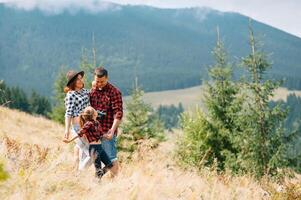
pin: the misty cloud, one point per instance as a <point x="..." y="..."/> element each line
<point x="58" y="6"/>
<point x="281" y="14"/>
<point x="201" y="13"/>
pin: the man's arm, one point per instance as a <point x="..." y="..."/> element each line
<point x="117" y="111"/>
<point x="115" y="124"/>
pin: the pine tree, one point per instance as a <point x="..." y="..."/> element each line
<point x="19" y="99"/>
<point x="39" y="105"/>
<point x="87" y="67"/>
<point x="293" y="125"/>
<point x="58" y="111"/>
<point x="209" y="136"/>
<point x="89" y="63"/>
<point x="222" y="106"/>
<point x="262" y="140"/>
<point x="140" y="124"/>
<point x="4" y="91"/>
<point x="16" y="98"/>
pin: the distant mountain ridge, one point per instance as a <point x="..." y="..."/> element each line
<point x="165" y="48"/>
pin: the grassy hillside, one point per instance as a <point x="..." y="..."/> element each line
<point x="40" y="167"/>
<point x="190" y="97"/>
<point x="166" y="48"/>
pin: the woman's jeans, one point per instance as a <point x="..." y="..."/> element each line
<point x="83" y="146"/>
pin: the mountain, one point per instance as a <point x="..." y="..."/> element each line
<point x="165" y="48"/>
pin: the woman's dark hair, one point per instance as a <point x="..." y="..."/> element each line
<point x="71" y="86"/>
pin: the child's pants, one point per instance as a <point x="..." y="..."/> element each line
<point x="101" y="156"/>
<point x="83" y="146"/>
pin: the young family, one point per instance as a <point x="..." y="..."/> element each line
<point x="91" y="120"/>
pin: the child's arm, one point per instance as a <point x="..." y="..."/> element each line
<point x="81" y="133"/>
<point x="70" y="140"/>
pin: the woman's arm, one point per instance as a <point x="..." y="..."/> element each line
<point x="69" y="105"/>
<point x="67" y="126"/>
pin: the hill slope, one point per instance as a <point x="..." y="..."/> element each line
<point x="40" y="166"/>
<point x="190" y="97"/>
<point x="166" y="48"/>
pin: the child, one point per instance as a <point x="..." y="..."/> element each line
<point x="91" y="129"/>
<point x="94" y="87"/>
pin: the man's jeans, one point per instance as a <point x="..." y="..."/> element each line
<point x="110" y="148"/>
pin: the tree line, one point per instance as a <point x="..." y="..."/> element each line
<point x="16" y="98"/>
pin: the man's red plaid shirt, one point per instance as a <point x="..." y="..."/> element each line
<point x="108" y="100"/>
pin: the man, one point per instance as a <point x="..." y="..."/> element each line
<point x="107" y="100"/>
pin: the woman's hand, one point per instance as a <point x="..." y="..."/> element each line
<point x="66" y="140"/>
<point x="67" y="133"/>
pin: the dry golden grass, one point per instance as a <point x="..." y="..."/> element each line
<point x="189" y="97"/>
<point x="282" y="93"/>
<point x="41" y="167"/>
<point x="29" y="129"/>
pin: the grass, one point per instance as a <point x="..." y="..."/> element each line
<point x="40" y="166"/>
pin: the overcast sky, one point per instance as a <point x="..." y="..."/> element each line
<point x="283" y="14"/>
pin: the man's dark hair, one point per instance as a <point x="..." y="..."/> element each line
<point x="100" y="72"/>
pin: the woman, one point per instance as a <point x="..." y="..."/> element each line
<point x="76" y="100"/>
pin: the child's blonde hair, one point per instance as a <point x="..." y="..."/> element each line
<point x="93" y="84"/>
<point x="86" y="115"/>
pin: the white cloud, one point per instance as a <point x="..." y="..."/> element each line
<point x="57" y="6"/>
<point x="283" y="14"/>
<point x="201" y="14"/>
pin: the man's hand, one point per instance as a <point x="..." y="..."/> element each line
<point x="110" y="134"/>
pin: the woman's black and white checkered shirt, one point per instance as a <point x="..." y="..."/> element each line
<point x="76" y="102"/>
